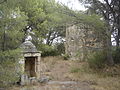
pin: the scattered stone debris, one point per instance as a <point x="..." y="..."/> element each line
<point x="44" y="80"/>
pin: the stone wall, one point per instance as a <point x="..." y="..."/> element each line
<point x="81" y="40"/>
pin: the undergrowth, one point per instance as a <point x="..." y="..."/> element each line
<point x="104" y="72"/>
<point x="107" y="78"/>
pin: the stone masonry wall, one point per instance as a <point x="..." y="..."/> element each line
<point x="81" y="40"/>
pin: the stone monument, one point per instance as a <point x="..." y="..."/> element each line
<point x="30" y="62"/>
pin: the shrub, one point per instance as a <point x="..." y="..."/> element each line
<point x="97" y="59"/>
<point x="48" y="50"/>
<point x="55" y="50"/>
<point x="9" y="67"/>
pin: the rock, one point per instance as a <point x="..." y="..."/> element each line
<point x="44" y="80"/>
<point x="24" y="80"/>
<point x="33" y="80"/>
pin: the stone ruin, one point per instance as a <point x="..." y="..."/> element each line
<point x="30" y="62"/>
<point x="81" y="41"/>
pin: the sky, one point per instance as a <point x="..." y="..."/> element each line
<point x="74" y="4"/>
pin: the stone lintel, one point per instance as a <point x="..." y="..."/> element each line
<point x="32" y="54"/>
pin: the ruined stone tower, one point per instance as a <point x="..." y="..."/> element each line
<point x="81" y="40"/>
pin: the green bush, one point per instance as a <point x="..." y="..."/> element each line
<point x="97" y="59"/>
<point x="48" y="50"/>
<point x="55" y="50"/>
<point x="9" y="67"/>
<point x="116" y="55"/>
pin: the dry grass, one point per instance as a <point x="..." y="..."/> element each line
<point x="108" y="79"/>
<point x="62" y="70"/>
<point x="57" y="67"/>
<point x="49" y="62"/>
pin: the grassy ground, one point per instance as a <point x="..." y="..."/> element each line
<point x="65" y="70"/>
<point x="105" y="79"/>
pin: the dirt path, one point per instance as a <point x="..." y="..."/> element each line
<point x="57" y="85"/>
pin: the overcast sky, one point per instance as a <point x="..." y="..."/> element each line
<point x="74" y="4"/>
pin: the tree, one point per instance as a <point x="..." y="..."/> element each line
<point x="9" y="72"/>
<point x="45" y="21"/>
<point x="107" y="10"/>
<point x="2" y="1"/>
<point x="12" y="22"/>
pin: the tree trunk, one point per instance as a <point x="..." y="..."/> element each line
<point x="117" y="39"/>
<point x="108" y="40"/>
<point x="118" y="27"/>
<point x="48" y="38"/>
<point x="109" y="49"/>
